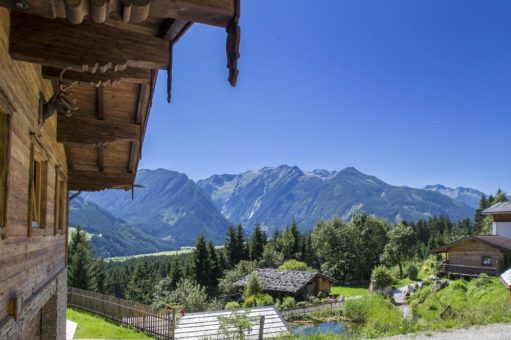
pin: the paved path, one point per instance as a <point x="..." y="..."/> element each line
<point x="497" y="331"/>
<point x="70" y="329"/>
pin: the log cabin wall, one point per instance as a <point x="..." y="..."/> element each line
<point x="470" y="253"/>
<point x="32" y="260"/>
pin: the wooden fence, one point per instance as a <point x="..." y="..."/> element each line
<point x="155" y="322"/>
<point x="301" y="311"/>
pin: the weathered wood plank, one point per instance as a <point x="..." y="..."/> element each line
<point x="85" y="130"/>
<point x="85" y="47"/>
<point x="129" y="75"/>
<point x="143" y="97"/>
<point x="101" y="158"/>
<point x="99" y="103"/>
<point x="96" y="180"/>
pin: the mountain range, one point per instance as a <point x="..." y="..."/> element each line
<point x="169" y="209"/>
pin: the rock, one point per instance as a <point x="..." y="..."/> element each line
<point x="439" y="285"/>
<point x="446" y="312"/>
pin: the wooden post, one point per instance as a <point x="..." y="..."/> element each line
<point x="261" y="327"/>
<point x="173" y="323"/>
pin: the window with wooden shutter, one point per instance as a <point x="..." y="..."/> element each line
<point x="60" y="203"/>
<point x="38" y="182"/>
<point x="5" y="124"/>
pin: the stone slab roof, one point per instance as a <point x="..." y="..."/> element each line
<point x="278" y="280"/>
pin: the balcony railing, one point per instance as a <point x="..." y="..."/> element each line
<point x="458" y="269"/>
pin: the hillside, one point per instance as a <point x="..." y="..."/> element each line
<point x="276" y="196"/>
<point x="111" y="236"/>
<point x="169" y="206"/>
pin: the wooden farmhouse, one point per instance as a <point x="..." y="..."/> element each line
<point x="501" y="216"/>
<point x="300" y="284"/>
<point x="471" y="256"/>
<point x="76" y="84"/>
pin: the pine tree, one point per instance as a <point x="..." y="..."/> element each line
<point x="242" y="245"/>
<point x="215" y="267"/>
<point x="231" y="247"/>
<point x="80" y="260"/>
<point x="141" y="285"/>
<point x="201" y="262"/>
<point x="98" y="276"/>
<point x="257" y="243"/>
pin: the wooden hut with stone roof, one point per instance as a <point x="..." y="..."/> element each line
<point x="300" y="284"/>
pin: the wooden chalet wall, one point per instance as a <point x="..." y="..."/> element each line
<point x="470" y="253"/>
<point x="32" y="263"/>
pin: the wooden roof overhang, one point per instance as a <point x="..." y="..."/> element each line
<point x="113" y="50"/>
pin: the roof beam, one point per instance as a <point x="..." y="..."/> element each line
<point x="210" y="12"/>
<point x="143" y="95"/>
<point x="97" y="180"/>
<point x="99" y="103"/>
<point x="85" y="47"/>
<point x="134" y="147"/>
<point x="173" y="29"/>
<point x="87" y="130"/>
<point x="129" y="75"/>
<point x="101" y="157"/>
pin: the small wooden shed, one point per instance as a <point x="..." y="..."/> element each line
<point x="474" y="255"/>
<point x="300" y="284"/>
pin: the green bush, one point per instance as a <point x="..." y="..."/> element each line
<point x="381" y="278"/>
<point x="377" y="315"/>
<point x="288" y="303"/>
<point x="189" y="294"/>
<point x="254" y="285"/>
<point x="232" y="305"/>
<point x="412" y="272"/>
<point x="356" y="309"/>
<point x="301" y="304"/>
<point x="258" y="300"/>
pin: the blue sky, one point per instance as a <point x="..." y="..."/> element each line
<point x="413" y="92"/>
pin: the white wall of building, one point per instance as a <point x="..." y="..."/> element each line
<point x="502" y="229"/>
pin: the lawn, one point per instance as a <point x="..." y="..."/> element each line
<point x="94" y="327"/>
<point x="350" y="290"/>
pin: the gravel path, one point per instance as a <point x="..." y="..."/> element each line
<point x="499" y="331"/>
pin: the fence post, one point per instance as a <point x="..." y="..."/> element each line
<point x="261" y="327"/>
<point x="173" y="323"/>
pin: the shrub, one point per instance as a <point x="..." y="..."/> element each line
<point x="288" y="303"/>
<point x="296" y="265"/>
<point x="301" y="304"/>
<point x="412" y="272"/>
<point x="482" y="281"/>
<point x="232" y="305"/>
<point x="377" y="315"/>
<point x="254" y="285"/>
<point x="381" y="278"/>
<point x="188" y="294"/>
<point x="356" y="309"/>
<point x="258" y="300"/>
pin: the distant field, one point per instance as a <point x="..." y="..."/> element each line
<point x="161" y="253"/>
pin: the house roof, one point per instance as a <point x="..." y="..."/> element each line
<point x="499" y="208"/>
<point x="106" y="55"/>
<point x="499" y="242"/>
<point x="278" y="280"/>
